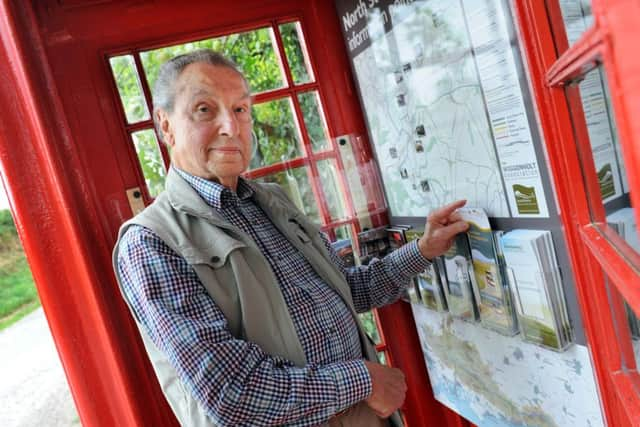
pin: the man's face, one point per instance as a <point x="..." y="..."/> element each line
<point x="209" y="130"/>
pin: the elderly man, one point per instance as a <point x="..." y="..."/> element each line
<point x="247" y="315"/>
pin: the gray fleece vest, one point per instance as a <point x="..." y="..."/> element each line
<point x="239" y="279"/>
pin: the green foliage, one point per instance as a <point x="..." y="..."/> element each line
<point x="16" y="287"/>
<point x="310" y="106"/>
<point x="7" y="227"/>
<point x="274" y="122"/>
<point x="9" y="242"/>
<point x="252" y="51"/>
<point x="293" y="50"/>
<point x="370" y="327"/>
<point x="126" y="78"/>
<point x="274" y="126"/>
<point x="18" y="295"/>
<point x="150" y="160"/>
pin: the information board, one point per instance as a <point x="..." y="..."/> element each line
<point x="444" y="106"/>
<point x="450" y="117"/>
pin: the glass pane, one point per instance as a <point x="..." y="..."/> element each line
<point x="150" y="160"/>
<point x="577" y="18"/>
<point x="314" y="120"/>
<point x="296" y="51"/>
<point x="343" y="232"/>
<point x="343" y="245"/>
<point x="382" y="357"/>
<point x="370" y="326"/>
<point x="348" y="146"/>
<point x="627" y="326"/>
<point x="633" y="322"/>
<point x="253" y="51"/>
<point x="593" y="110"/>
<point x="335" y="198"/>
<point x="277" y="132"/>
<point x="297" y="186"/>
<point x="129" y="87"/>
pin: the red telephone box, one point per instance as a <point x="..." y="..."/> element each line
<point x="69" y="162"/>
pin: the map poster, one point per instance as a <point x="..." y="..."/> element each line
<point x="498" y="381"/>
<point x="444" y="105"/>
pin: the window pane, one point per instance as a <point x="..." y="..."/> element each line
<point x="382" y="357"/>
<point x="150" y="160"/>
<point x="576" y="16"/>
<point x="253" y="51"/>
<point x="129" y="87"/>
<point x="328" y="171"/>
<point x="627" y="326"/>
<point x="297" y="186"/>
<point x="314" y="120"/>
<point x="595" y="109"/>
<point x="277" y="132"/>
<point x="348" y="147"/>
<point x="343" y="232"/>
<point x="343" y="246"/>
<point x="633" y="322"/>
<point x="370" y="326"/>
<point x="296" y="51"/>
<point x="591" y="108"/>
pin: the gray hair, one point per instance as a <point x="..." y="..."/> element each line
<point x="164" y="89"/>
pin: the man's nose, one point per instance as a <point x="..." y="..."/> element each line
<point x="228" y="123"/>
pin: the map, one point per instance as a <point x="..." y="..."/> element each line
<point x="445" y="110"/>
<point x="494" y="380"/>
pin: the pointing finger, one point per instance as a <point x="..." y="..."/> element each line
<point x="455" y="216"/>
<point x="445" y="211"/>
<point x="460" y="226"/>
<point x="455" y="228"/>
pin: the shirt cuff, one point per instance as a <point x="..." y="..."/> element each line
<point x="408" y="260"/>
<point x="353" y="383"/>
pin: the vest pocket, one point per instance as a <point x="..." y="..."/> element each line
<point x="214" y="256"/>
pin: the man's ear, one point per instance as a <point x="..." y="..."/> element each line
<point x="165" y="127"/>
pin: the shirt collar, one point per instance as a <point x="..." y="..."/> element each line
<point x="215" y="194"/>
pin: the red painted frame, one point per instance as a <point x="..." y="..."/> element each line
<point x="594" y="247"/>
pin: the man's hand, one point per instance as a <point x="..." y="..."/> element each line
<point x="441" y="227"/>
<point x="388" y="389"/>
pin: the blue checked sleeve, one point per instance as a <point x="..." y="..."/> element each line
<point x="382" y="281"/>
<point x="235" y="381"/>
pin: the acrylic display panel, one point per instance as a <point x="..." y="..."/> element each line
<point x="442" y="88"/>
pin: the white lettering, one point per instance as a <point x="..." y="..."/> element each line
<point x="350" y="19"/>
<point x="358" y="38"/>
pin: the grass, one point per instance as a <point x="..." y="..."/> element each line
<point x="18" y="295"/>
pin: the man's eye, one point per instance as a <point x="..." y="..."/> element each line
<point x="203" y="109"/>
<point x="241" y="110"/>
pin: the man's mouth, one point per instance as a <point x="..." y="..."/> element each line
<point x="226" y="149"/>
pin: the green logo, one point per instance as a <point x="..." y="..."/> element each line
<point x="526" y="199"/>
<point x="605" y="179"/>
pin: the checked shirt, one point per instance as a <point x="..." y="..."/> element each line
<point x="235" y="380"/>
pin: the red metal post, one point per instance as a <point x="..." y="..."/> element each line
<point x="57" y="223"/>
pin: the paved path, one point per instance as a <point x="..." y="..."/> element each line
<point x="33" y="388"/>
